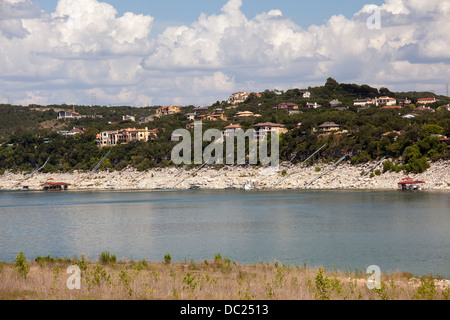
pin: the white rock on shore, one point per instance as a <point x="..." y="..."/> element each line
<point x="344" y="176"/>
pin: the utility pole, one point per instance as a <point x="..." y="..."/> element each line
<point x="94" y="98"/>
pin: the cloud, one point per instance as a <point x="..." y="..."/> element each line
<point x="85" y="47"/>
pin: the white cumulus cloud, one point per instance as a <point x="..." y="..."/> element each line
<point x="85" y="47"/>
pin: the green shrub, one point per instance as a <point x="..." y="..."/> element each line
<point x="426" y="290"/>
<point x="167" y="259"/>
<point x="321" y="286"/>
<point x="105" y="257"/>
<point x="21" y="264"/>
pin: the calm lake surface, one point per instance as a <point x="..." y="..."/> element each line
<point x="398" y="231"/>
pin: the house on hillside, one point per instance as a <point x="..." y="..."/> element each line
<point x="409" y="116"/>
<point x="334" y="103"/>
<point x="426" y="100"/>
<point x="388" y="101"/>
<point x="423" y="108"/>
<point x="114" y="137"/>
<point x="129" y="118"/>
<point x="146" y="119"/>
<point x="305" y="94"/>
<point x="212" y="117"/>
<point x="286" y="106"/>
<point x="244" y="114"/>
<point x="262" y="129"/>
<point x="314" y="105"/>
<point x="404" y="102"/>
<point x="190" y="116"/>
<point x="329" y="127"/>
<point x="73" y="132"/>
<point x="230" y="130"/>
<point x="238" y="97"/>
<point x="68" y="115"/>
<point x="168" y="110"/>
<point x="364" y="102"/>
<point x="200" y="110"/>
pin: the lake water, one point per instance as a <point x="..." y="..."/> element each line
<point x="398" y="231"/>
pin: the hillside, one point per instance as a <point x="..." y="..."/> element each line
<point x="29" y="135"/>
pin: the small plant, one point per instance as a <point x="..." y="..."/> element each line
<point x="189" y="280"/>
<point x="426" y="290"/>
<point x="378" y="172"/>
<point x="105" y="257"/>
<point x="283" y="173"/>
<point x="321" y="285"/>
<point x="21" y="264"/>
<point x="218" y="258"/>
<point x="167" y="259"/>
<point x="269" y="291"/>
<point x="317" y="169"/>
<point x="81" y="263"/>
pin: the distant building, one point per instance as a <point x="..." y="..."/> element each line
<point x="404" y="102"/>
<point x="314" y="105"/>
<point x="72" y="132"/>
<point x="286" y="106"/>
<point x="426" y="100"/>
<point x="200" y="110"/>
<point x="212" y="117"/>
<point x="305" y="94"/>
<point x="262" y="129"/>
<point x="168" y="110"/>
<point x="388" y="101"/>
<point x="129" y="118"/>
<point x="328" y="127"/>
<point x="334" y="103"/>
<point x="244" y="114"/>
<point x="146" y="119"/>
<point x="409" y="116"/>
<point x="229" y="130"/>
<point x="238" y="97"/>
<point x="423" y="108"/>
<point x="363" y="102"/>
<point x="63" y="114"/>
<point x="112" y="138"/>
<point x="190" y="116"/>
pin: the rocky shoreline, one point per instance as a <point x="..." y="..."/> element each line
<point x="286" y="176"/>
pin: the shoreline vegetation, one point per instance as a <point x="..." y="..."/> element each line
<point x="46" y="278"/>
<point x="286" y="176"/>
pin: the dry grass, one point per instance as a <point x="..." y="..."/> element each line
<point x="208" y="280"/>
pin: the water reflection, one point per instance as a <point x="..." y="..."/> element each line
<point x="395" y="230"/>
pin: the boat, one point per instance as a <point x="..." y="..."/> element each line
<point x="410" y="184"/>
<point x="50" y="185"/>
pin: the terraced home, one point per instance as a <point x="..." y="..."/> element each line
<point x="124" y="136"/>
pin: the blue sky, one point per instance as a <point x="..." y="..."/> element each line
<point x="177" y="52"/>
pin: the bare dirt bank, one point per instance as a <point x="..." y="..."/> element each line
<point x="286" y="176"/>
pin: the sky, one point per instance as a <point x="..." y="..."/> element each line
<point x="140" y="52"/>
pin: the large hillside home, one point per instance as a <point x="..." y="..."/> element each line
<point x="167" y="110"/>
<point x="112" y="138"/>
<point x="262" y="129"/>
<point x="63" y="115"/>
